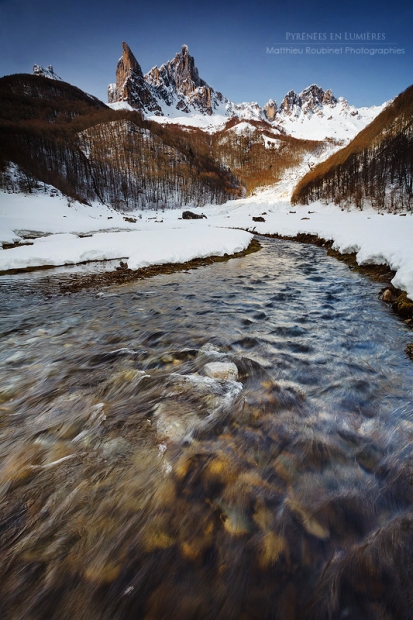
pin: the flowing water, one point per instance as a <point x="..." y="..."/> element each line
<point x="136" y="483"/>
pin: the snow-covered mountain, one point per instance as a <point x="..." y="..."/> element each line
<point x="175" y="85"/>
<point x="315" y="114"/>
<point x="46" y="72"/>
<point x="174" y="93"/>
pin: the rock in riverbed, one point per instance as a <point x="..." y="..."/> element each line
<point x="221" y="370"/>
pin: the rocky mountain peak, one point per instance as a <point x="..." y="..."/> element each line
<point x="270" y="110"/>
<point x="175" y="90"/>
<point x="329" y="98"/>
<point x="46" y="72"/>
<point x="130" y="85"/>
<point x="180" y="73"/>
<point x="127" y="65"/>
<point x="290" y="102"/>
<point x="175" y="85"/>
<point x="313" y="97"/>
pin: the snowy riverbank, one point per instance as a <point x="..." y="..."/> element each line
<point x="56" y="229"/>
<point x="53" y="234"/>
<point x="381" y="239"/>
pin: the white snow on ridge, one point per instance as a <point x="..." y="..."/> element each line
<point x="248" y="111"/>
<point x="210" y="124"/>
<point x="342" y="122"/>
<point x="121" y="105"/>
<point x="243" y="128"/>
<point x="271" y="143"/>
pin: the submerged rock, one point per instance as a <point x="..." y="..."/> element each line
<point x="273" y="546"/>
<point x="21" y="464"/>
<point x="234" y="519"/>
<point x="221" y="370"/>
<point x="175" y="420"/>
<point x="309" y="521"/>
<point x="102" y="573"/>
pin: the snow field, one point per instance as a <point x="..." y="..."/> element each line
<point x="162" y="237"/>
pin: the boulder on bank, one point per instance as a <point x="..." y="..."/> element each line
<point x="387" y="295"/>
<point x="190" y="215"/>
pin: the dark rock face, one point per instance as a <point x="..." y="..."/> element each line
<point x="189" y="215"/>
<point x="290" y="101"/>
<point x="258" y="218"/>
<point x="130" y="84"/>
<point x="127" y="66"/>
<point x="312" y="97"/>
<point x="310" y="100"/>
<point x="329" y="98"/>
<point x="180" y="73"/>
<point x="176" y="83"/>
<point x="179" y="79"/>
<point x="270" y="110"/>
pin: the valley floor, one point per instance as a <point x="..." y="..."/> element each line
<point x="40" y="230"/>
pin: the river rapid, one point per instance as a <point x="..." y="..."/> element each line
<point x="233" y="442"/>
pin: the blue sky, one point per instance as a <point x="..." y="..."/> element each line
<point x="229" y="40"/>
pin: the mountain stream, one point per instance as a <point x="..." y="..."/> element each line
<point x="233" y="442"/>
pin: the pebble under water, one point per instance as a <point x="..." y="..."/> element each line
<point x="233" y="442"/>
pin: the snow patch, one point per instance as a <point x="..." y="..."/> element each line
<point x="271" y="143"/>
<point x="121" y="105"/>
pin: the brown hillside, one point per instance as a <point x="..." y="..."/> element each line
<point x="376" y="166"/>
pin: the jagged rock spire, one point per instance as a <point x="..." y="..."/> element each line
<point x="127" y="66"/>
<point x="270" y="110"/>
<point x="314" y="97"/>
<point x="176" y="83"/>
<point x="290" y="101"/>
<point x="180" y="73"/>
<point x="130" y="84"/>
<point x="329" y="98"/>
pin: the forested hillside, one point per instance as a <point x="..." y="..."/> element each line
<point x="61" y="136"/>
<point x="375" y="168"/>
<point x="258" y="155"/>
